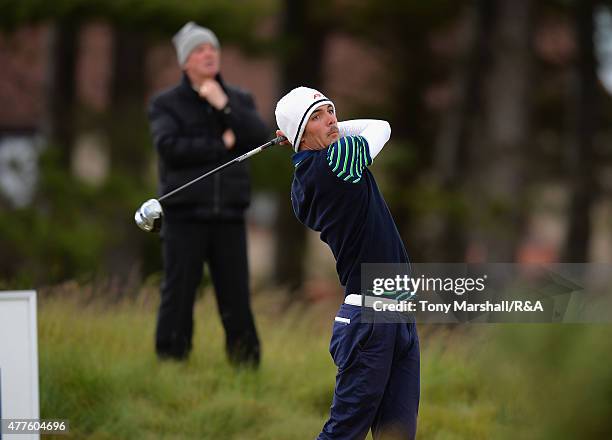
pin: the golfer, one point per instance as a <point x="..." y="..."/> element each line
<point x="334" y="193"/>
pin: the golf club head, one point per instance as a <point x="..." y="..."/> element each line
<point x="149" y="216"/>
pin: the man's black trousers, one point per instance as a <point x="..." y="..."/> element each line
<point x="186" y="246"/>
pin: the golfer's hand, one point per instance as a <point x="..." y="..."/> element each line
<point x="229" y="139"/>
<point x="211" y="91"/>
<point x="280" y="133"/>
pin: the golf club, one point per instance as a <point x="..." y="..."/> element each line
<point x="149" y="216"/>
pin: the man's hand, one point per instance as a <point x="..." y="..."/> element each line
<point x="229" y="139"/>
<point x="280" y="133"/>
<point x="211" y="91"/>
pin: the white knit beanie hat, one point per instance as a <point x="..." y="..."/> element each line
<point x="294" y="109"/>
<point x="190" y="36"/>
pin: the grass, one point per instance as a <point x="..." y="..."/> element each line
<point x="98" y="370"/>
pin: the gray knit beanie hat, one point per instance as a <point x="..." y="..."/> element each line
<point x="189" y="37"/>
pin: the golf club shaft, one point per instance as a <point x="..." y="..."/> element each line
<point x="276" y="140"/>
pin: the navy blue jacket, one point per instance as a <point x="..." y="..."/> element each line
<point x="335" y="194"/>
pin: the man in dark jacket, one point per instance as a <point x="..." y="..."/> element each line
<point x="196" y="126"/>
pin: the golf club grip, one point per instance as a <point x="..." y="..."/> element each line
<point x="276" y="140"/>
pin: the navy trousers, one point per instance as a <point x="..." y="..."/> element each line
<point x="378" y="380"/>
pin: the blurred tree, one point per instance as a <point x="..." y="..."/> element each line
<point x="130" y="152"/>
<point x="453" y="153"/>
<point x="580" y="159"/>
<point x="502" y="142"/>
<point x="127" y="128"/>
<point x="58" y="126"/>
<point x="305" y="30"/>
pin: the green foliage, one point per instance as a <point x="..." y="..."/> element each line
<point x="115" y="387"/>
<point x="232" y="21"/>
<point x="408" y="189"/>
<point x="558" y="372"/>
<point x="98" y="370"/>
<point x="273" y="170"/>
<point x="69" y="229"/>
